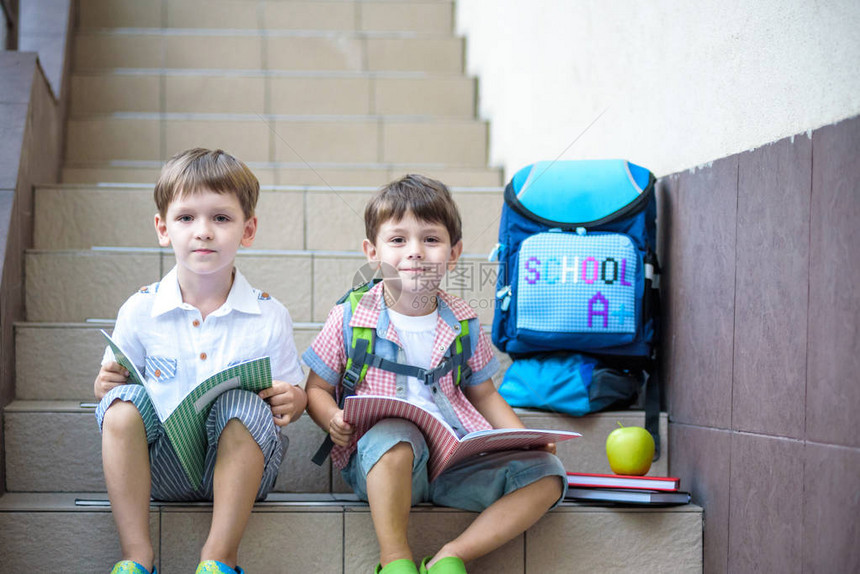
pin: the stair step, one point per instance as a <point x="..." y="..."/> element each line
<point x="267" y="49"/>
<point x="312" y="174"/>
<point x="76" y="350"/>
<point x="76" y="285"/>
<point x="263" y="92"/>
<point x="254" y="138"/>
<point x="433" y="16"/>
<point x="71" y="216"/>
<point x="42" y="436"/>
<point x="571" y="538"/>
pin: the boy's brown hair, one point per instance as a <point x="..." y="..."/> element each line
<point x="425" y="198"/>
<point x="199" y="169"/>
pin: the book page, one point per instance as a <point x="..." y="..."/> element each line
<point x="366" y="410"/>
<point x="445" y="448"/>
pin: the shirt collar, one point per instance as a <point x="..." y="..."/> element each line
<point x="241" y="297"/>
<point x="372" y="312"/>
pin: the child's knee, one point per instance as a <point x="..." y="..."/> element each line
<point x="551" y="489"/>
<point x="122" y="417"/>
<point x="556" y="485"/>
<point x="236" y="433"/>
<point x="400" y="455"/>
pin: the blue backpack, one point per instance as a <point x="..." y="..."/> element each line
<point x="577" y="301"/>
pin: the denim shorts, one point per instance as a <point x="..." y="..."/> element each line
<point x="473" y="484"/>
<point x="169" y="481"/>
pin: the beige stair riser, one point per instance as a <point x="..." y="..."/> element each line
<point x="38" y="443"/>
<point x="73" y="218"/>
<point x="259" y="139"/>
<point x="255" y="51"/>
<point x="63" y="541"/>
<point x="570" y="539"/>
<point x="76" y="350"/>
<point x="74" y="444"/>
<point x="316" y="175"/>
<point x="444" y="96"/>
<point x="343" y="16"/>
<point x="74" y="286"/>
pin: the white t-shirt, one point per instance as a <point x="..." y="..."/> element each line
<point x="417" y="335"/>
<point x="175" y="349"/>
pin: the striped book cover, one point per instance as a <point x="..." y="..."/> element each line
<point x="185" y="426"/>
<point x="446" y="449"/>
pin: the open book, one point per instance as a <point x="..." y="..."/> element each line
<point x="446" y="450"/>
<point x="185" y="423"/>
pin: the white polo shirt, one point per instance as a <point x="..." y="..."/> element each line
<point x="175" y="349"/>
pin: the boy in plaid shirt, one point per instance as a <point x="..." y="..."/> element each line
<point x="414" y="236"/>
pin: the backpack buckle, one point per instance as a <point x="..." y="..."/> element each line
<point x="350" y="378"/>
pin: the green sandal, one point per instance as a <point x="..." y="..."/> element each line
<point x="447" y="565"/>
<point x="131" y="567"/>
<point x="215" y="567"/>
<point x="403" y="566"/>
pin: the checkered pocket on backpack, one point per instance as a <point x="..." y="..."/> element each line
<point x="571" y="283"/>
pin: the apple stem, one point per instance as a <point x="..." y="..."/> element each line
<point x="619" y="424"/>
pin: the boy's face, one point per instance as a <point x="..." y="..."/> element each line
<point x="205" y="230"/>
<point x="416" y="252"/>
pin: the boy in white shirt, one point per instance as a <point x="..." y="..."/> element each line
<point x="413" y="234"/>
<point x="202" y="317"/>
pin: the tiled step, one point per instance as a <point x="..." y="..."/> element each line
<point x="72" y="217"/>
<point x="253" y="138"/>
<point x="76" y="285"/>
<point x="284" y="534"/>
<point x="326" y="175"/>
<point x="404" y="15"/>
<point x="76" y="350"/>
<point x="270" y="50"/>
<point x="261" y="92"/>
<point x="44" y="436"/>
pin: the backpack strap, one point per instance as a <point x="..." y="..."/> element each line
<point x="359" y="345"/>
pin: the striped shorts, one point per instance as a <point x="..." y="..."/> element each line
<point x="169" y="482"/>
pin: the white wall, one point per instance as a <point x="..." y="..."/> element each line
<point x="679" y="83"/>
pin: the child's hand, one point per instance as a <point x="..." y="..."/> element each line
<point x="287" y="401"/>
<point x="339" y="430"/>
<point x="110" y="376"/>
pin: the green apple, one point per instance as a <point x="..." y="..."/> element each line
<point x="630" y="450"/>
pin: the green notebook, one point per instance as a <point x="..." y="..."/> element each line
<point x="186" y="424"/>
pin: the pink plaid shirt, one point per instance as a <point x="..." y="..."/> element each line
<point x="327" y="358"/>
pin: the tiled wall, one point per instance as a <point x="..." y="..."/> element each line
<point x="762" y="346"/>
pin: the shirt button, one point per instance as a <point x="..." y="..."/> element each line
<point x="202" y="356"/>
<point x="157" y="373"/>
<point x="195" y="323"/>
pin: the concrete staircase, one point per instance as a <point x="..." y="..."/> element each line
<point x="325" y="100"/>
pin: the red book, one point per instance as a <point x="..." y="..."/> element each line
<point x="446" y="449"/>
<point x="588" y="480"/>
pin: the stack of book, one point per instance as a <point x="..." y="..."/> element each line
<point x="622" y="489"/>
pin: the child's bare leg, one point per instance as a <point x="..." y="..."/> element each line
<point x="125" y="456"/>
<point x="238" y="472"/>
<point x="389" y="493"/>
<point x="505" y="519"/>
